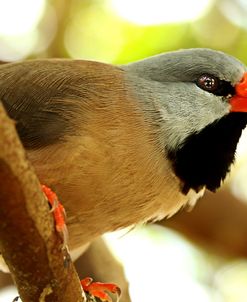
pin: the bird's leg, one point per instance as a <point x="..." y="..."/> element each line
<point x="58" y="213"/>
<point x="99" y="289"/>
<point x="95" y="289"/>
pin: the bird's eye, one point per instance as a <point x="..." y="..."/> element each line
<point x="214" y="85"/>
<point x="208" y="82"/>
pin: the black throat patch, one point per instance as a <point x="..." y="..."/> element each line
<point x="205" y="157"/>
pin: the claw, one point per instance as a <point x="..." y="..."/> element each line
<point x="101" y="295"/>
<point x="98" y="289"/>
<point x="58" y="213"/>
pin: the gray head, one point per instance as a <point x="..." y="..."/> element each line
<point x="192" y="91"/>
<point x="171" y="79"/>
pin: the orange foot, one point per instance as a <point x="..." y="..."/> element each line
<point x="58" y="212"/>
<point x="98" y="289"/>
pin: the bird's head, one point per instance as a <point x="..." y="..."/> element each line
<point x="200" y="96"/>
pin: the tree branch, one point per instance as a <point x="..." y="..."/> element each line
<point x="28" y="241"/>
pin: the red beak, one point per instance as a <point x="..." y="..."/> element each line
<point x="239" y="100"/>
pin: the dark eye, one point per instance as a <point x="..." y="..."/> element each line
<point x="214" y="85"/>
<point x="208" y="82"/>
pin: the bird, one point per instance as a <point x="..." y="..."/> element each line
<point x="127" y="144"/>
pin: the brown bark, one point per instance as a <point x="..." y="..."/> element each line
<point x="217" y="223"/>
<point x="28" y="241"/>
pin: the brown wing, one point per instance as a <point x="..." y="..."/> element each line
<point x="43" y="96"/>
